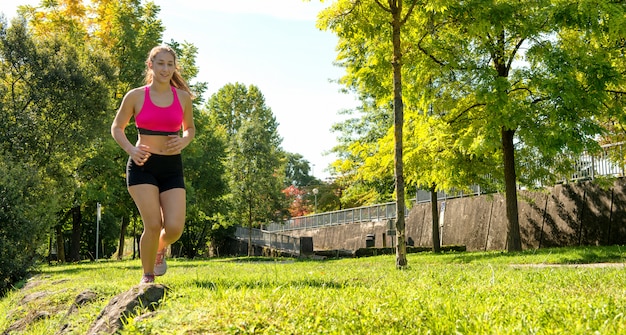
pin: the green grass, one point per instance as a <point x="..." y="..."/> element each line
<point x="453" y="293"/>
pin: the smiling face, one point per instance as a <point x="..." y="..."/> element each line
<point x="163" y="66"/>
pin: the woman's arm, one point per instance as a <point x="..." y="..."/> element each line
<point x="189" y="128"/>
<point x="122" y="118"/>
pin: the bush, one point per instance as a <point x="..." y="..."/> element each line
<point x="23" y="220"/>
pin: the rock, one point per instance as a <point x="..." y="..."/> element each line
<point x="136" y="300"/>
<point x="83" y="298"/>
<point x="21" y="324"/>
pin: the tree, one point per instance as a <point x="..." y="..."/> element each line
<point x="25" y="218"/>
<point x="397" y="18"/>
<point x="50" y="84"/>
<point x="464" y="67"/>
<point x="606" y="28"/>
<point x="102" y="179"/>
<point x="297" y="171"/>
<point x="127" y="30"/>
<point x="257" y="178"/>
<point x="255" y="159"/>
<point x="298" y="206"/>
<point x="299" y="185"/>
<point x="205" y="162"/>
<point x="358" y="144"/>
<point x="545" y="101"/>
<point x="233" y="104"/>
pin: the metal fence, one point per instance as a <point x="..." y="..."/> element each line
<point x="372" y="213"/>
<point x="275" y="241"/>
<point x="609" y="162"/>
<point x="359" y="214"/>
<point x="353" y="215"/>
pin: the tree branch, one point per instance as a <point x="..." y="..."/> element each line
<point x="354" y="5"/>
<point x="419" y="46"/>
<point x="538" y="100"/>
<point x="408" y="14"/>
<point x="616" y="92"/>
<point x="517" y="46"/>
<point x="521" y="89"/>
<point x="382" y="6"/>
<point x="464" y="111"/>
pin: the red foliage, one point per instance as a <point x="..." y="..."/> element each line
<point x="298" y="206"/>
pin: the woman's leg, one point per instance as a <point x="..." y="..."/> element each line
<point x="146" y="197"/>
<point x="173" y="206"/>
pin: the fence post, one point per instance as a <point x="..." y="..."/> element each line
<point x="621" y="158"/>
<point x="593" y="167"/>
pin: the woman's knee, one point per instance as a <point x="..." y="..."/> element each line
<point x="174" y="231"/>
<point x="152" y="228"/>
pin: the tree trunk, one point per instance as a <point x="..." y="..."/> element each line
<point x="135" y="241"/>
<point x="398" y="111"/>
<point x="136" y="246"/>
<point x="120" y="247"/>
<point x="435" y="215"/>
<point x="250" y="248"/>
<point x="514" y="241"/>
<point x="201" y="240"/>
<point x="76" y="234"/>
<point x="60" y="243"/>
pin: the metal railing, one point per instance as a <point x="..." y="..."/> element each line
<point x="609" y="162"/>
<point x="372" y="213"/>
<point x="275" y="241"/>
<point x="587" y="167"/>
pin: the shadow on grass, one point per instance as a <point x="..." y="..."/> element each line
<point x="87" y="266"/>
<point x="572" y="255"/>
<point x="264" y="284"/>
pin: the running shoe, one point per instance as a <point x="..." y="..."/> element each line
<point x="147" y="278"/>
<point x="160" y="266"/>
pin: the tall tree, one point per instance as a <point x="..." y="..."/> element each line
<point x="345" y="13"/>
<point x="122" y="32"/>
<point x="544" y="101"/>
<point x="56" y="99"/>
<point x="256" y="161"/>
<point x="463" y="62"/>
<point x="257" y="183"/>
<point x="205" y="162"/>
<point x="233" y="104"/>
<point x="128" y="30"/>
<point x="297" y="171"/>
<point x="102" y="181"/>
<point x="358" y="144"/>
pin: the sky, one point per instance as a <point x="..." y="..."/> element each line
<point x="272" y="44"/>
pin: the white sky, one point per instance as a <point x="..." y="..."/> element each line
<point x="272" y="44"/>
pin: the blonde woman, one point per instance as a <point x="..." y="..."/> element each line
<point x="154" y="174"/>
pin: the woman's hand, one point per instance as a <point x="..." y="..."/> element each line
<point x="140" y="154"/>
<point x="175" y="143"/>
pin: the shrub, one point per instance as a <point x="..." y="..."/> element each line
<point x="23" y="220"/>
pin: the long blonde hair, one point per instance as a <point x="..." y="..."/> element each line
<point x="177" y="80"/>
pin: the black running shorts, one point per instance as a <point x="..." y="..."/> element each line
<point x="162" y="171"/>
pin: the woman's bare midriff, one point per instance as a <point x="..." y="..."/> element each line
<point x="157" y="144"/>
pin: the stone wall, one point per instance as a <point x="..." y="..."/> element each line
<point x="565" y="215"/>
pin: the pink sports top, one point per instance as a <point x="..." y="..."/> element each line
<point x="156" y="120"/>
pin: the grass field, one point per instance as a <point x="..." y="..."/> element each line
<point x="548" y="291"/>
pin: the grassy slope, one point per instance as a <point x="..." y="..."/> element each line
<point x="464" y="293"/>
